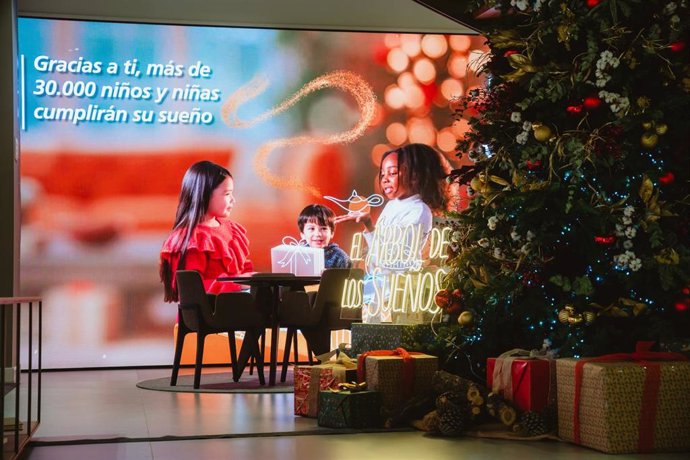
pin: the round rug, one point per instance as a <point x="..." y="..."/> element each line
<point x="220" y="382"/>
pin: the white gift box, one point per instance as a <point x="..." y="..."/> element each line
<point x="297" y="259"/>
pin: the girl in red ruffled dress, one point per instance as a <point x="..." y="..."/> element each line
<point x="202" y="239"/>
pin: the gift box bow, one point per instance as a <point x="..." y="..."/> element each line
<point x="289" y="256"/>
<point x="341" y="359"/>
<point x="650" y="393"/>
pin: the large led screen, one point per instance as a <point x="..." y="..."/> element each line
<point x="112" y="114"/>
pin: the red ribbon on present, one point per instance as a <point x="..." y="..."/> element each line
<point x="408" y="367"/>
<point x="650" y="392"/>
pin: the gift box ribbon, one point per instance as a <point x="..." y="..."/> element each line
<point x="407" y="370"/>
<point x="650" y="392"/>
<point x="288" y="258"/>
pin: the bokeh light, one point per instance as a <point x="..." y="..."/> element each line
<point x="394" y="97"/>
<point x="446" y="140"/>
<point x="451" y="88"/>
<point x="424" y="70"/>
<point x="460" y="43"/>
<point x="396" y="133"/>
<point x="397" y="60"/>
<point x="457" y="65"/>
<point x="434" y="46"/>
<point x="411" y="44"/>
<point x="414" y="97"/>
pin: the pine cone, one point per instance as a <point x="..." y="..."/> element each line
<point x="452" y="422"/>
<point x="532" y="424"/>
<point x="449" y="401"/>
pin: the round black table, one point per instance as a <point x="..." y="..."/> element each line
<point x="274" y="281"/>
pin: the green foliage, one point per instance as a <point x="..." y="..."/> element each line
<point x="582" y="165"/>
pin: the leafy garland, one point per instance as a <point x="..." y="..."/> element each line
<point x="577" y="230"/>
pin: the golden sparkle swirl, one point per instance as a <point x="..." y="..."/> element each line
<point x="343" y="80"/>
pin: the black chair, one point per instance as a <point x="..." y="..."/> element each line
<point x="318" y="313"/>
<point x="211" y="314"/>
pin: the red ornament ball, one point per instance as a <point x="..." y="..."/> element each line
<point x="667" y="178"/>
<point x="682" y="306"/>
<point x="592" y="3"/>
<point x="592" y="102"/>
<point x="685" y="291"/>
<point x="442" y="299"/>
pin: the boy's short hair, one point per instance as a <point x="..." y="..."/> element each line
<point x="318" y="213"/>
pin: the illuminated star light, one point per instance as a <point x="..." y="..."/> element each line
<point x="341" y="79"/>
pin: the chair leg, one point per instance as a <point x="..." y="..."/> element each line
<point x="200" y="339"/>
<point x="295" y="350"/>
<point x="233" y="351"/>
<point x="179" y="343"/>
<point x="258" y="357"/>
<point x="286" y="353"/>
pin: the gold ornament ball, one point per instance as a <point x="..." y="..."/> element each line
<point x="649" y="140"/>
<point x="661" y="128"/>
<point x="647" y="125"/>
<point x="563" y="316"/>
<point x="589" y="317"/>
<point x="542" y="133"/>
<point x="575" y="319"/>
<point x="466" y="318"/>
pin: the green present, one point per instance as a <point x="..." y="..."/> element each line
<point x="367" y="337"/>
<point x="347" y="409"/>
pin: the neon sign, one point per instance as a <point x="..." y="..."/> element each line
<point x="401" y="283"/>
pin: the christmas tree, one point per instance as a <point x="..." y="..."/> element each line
<point x="577" y="230"/>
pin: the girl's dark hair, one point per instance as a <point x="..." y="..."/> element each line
<point x="318" y="213"/>
<point x="199" y="182"/>
<point x="420" y="170"/>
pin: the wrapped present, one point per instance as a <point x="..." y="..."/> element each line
<point x="294" y="257"/>
<point x="367" y="337"/>
<point x="309" y="380"/>
<point x="397" y="374"/>
<point x="529" y="383"/>
<point x="349" y="409"/>
<point x="625" y="403"/>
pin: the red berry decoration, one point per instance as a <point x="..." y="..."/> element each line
<point x="677" y="46"/>
<point x="574" y="109"/>
<point x="592" y="102"/>
<point x="667" y="178"/>
<point x="592" y="3"/>
<point x="682" y="306"/>
<point x="532" y="165"/>
<point x="605" y="240"/>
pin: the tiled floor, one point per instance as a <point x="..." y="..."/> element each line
<point x="103" y="415"/>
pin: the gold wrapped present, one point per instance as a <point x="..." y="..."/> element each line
<point x="397" y="374"/>
<point x="625" y="403"/>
